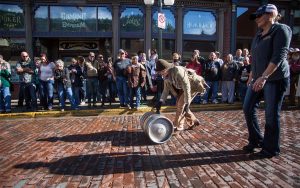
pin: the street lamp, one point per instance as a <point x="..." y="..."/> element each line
<point x="159" y="2"/>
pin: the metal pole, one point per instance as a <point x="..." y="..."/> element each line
<point x="159" y="32"/>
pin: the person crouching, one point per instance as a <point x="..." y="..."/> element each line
<point x="184" y="84"/>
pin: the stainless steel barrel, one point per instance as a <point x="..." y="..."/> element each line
<point x="157" y="127"/>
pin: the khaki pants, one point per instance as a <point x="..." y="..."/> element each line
<point x="180" y="115"/>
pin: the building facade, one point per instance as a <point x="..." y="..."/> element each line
<point x="68" y="28"/>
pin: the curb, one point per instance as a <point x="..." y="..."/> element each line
<point x="118" y="111"/>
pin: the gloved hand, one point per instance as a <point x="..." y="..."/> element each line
<point x="158" y="106"/>
<point x="186" y="108"/>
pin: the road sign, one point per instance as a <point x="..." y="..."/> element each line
<point x="161" y="21"/>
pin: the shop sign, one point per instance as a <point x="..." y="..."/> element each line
<point x="73" y="18"/>
<point x="132" y="20"/>
<point x="11" y="17"/>
<point x="199" y="23"/>
<point x="78" y="45"/>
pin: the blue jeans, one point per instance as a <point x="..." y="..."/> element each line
<point x="92" y="89"/>
<point x="122" y="88"/>
<point x="30" y="95"/>
<point x="137" y="93"/>
<point x="273" y="93"/>
<point x="213" y="85"/>
<point x="103" y="84"/>
<point x="5" y="99"/>
<point x="242" y="90"/>
<point x="65" y="91"/>
<point x="76" y="91"/>
<point x="46" y="93"/>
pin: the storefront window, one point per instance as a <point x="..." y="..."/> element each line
<point x="104" y="19"/>
<point x="296" y="28"/>
<point x="170" y="21"/>
<point x="73" y="19"/>
<point x="205" y="47"/>
<point x="246" y="29"/>
<point x="168" y="47"/>
<point x="132" y="20"/>
<point x="199" y="23"/>
<point x="132" y="45"/>
<point x="11" y="18"/>
<point x="41" y="19"/>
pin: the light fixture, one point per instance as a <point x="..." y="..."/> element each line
<point x="149" y="2"/>
<point x="168" y="2"/>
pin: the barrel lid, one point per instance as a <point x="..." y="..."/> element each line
<point x="160" y="130"/>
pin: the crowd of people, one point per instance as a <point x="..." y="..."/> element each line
<point x="130" y="78"/>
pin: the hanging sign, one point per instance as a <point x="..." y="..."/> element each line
<point x="161" y="21"/>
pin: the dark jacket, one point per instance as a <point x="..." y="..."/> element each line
<point x="272" y="47"/>
<point x="62" y="77"/>
<point x="76" y="77"/>
<point x="229" y="71"/>
<point x="211" y="71"/>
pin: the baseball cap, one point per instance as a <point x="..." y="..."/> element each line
<point x="268" y="8"/>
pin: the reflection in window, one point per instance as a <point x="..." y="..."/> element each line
<point x="132" y="20"/>
<point x="104" y="19"/>
<point x="11" y="17"/>
<point x="132" y="45"/>
<point x="170" y="21"/>
<point x="41" y="19"/>
<point x="296" y="33"/>
<point x="73" y="18"/>
<point x="168" y="47"/>
<point x="297" y="14"/>
<point x="205" y="47"/>
<point x="199" y="22"/>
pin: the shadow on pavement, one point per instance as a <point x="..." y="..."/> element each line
<point x="111" y="163"/>
<point x="118" y="138"/>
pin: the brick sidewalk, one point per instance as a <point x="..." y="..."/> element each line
<point x="112" y="151"/>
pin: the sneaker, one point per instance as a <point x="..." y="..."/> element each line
<point x="250" y="147"/>
<point x="129" y="107"/>
<point x="204" y="102"/>
<point x="196" y="124"/>
<point x="62" y="110"/>
<point x="82" y="103"/>
<point x="215" y="101"/>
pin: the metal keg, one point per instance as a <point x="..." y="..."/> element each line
<point x="157" y="127"/>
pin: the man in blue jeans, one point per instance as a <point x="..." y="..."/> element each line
<point x="269" y="78"/>
<point x="121" y="78"/>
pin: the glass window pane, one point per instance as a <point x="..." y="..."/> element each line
<point x="296" y="33"/>
<point x="132" y="45"/>
<point x="199" y="23"/>
<point x="41" y="19"/>
<point x="245" y="28"/>
<point x="73" y="19"/>
<point x="205" y="47"/>
<point x="168" y="48"/>
<point x="104" y="19"/>
<point x="132" y="20"/>
<point x="11" y="17"/>
<point x="170" y="21"/>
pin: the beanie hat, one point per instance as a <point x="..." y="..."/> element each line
<point x="162" y="64"/>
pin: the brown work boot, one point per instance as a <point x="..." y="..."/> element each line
<point x="196" y="124"/>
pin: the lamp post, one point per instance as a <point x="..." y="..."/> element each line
<point x="159" y="3"/>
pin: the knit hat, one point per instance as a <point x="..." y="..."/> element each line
<point x="268" y="8"/>
<point x="162" y="64"/>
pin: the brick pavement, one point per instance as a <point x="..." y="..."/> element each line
<point x="112" y="151"/>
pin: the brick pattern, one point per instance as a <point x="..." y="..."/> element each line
<point x="112" y="151"/>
